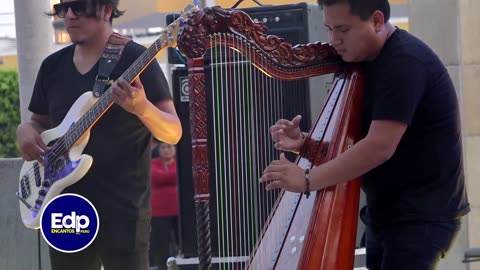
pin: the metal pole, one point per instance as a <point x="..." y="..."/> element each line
<point x="34" y="42"/>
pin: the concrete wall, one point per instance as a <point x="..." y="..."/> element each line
<point x="470" y="76"/>
<point x="450" y="27"/>
<point x="19" y="246"/>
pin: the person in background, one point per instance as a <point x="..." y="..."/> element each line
<point x="164" y="200"/>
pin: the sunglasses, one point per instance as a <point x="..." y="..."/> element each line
<point x="79" y="8"/>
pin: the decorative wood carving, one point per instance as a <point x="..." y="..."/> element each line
<point x="285" y="61"/>
<point x="198" y="123"/>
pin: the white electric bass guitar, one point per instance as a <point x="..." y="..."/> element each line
<point x="64" y="163"/>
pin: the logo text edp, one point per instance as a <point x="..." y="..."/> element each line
<point x="72" y="221"/>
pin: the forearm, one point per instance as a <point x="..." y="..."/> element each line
<point x="38" y="126"/>
<point x="356" y="161"/>
<point x="38" y="123"/>
<point x="163" y="125"/>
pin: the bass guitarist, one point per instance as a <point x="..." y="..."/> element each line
<point x="118" y="182"/>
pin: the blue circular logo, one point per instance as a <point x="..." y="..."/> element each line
<point x="69" y="223"/>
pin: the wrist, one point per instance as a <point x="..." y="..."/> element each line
<point x="300" y="144"/>
<point x="28" y="127"/>
<point x="143" y="109"/>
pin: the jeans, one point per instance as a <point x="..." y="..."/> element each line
<point x="410" y="245"/>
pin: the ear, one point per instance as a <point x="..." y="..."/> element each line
<point x="378" y="20"/>
<point x="108" y="11"/>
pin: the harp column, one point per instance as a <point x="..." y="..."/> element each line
<point x="198" y="128"/>
<point x="451" y="28"/>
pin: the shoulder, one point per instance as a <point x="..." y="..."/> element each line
<point x="134" y="49"/>
<point x="406" y="55"/>
<point x="133" y="45"/>
<point x="131" y="52"/>
<point x="403" y="47"/>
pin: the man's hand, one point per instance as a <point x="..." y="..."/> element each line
<point x="30" y="143"/>
<point x="287" y="135"/>
<point x="130" y="97"/>
<point x="285" y="175"/>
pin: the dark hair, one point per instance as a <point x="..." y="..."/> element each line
<point x="114" y="3"/>
<point x="94" y="5"/>
<point x="363" y="8"/>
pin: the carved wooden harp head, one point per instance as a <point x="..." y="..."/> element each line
<point x="285" y="62"/>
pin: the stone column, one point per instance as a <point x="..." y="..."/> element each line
<point x="470" y="75"/>
<point x="34" y="42"/>
<point x="451" y="28"/>
<point x="34" y="34"/>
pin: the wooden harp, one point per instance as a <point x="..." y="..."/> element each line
<point x="296" y="233"/>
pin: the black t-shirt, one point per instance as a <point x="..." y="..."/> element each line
<point x="118" y="183"/>
<point x="424" y="179"/>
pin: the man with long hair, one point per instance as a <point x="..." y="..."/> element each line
<point x="118" y="183"/>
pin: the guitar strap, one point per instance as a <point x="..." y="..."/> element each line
<point x="108" y="61"/>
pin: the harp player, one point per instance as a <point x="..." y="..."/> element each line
<point x="411" y="158"/>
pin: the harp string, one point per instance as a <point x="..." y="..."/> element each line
<point x="248" y="162"/>
<point x="232" y="160"/>
<point x="219" y="185"/>
<point x="245" y="102"/>
<point x="256" y="157"/>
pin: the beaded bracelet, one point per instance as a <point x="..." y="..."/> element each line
<point x="307" y="183"/>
